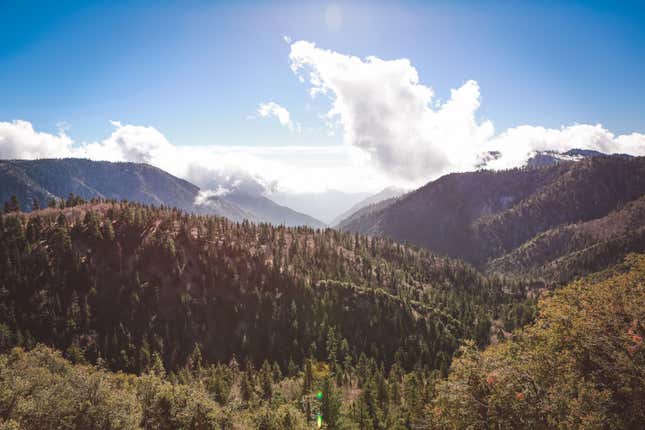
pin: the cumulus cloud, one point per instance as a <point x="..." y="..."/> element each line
<point x="18" y="139"/>
<point x="384" y="109"/>
<point x="138" y="144"/>
<point x="272" y="109"/>
<point x="397" y="133"/>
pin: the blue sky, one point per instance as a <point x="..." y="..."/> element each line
<point x="197" y="71"/>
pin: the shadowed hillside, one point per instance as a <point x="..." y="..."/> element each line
<point x="484" y="215"/>
<point x="122" y="281"/>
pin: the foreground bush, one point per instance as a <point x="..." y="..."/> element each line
<point x="581" y="365"/>
<point x="39" y="389"/>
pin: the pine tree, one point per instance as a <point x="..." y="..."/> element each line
<point x="246" y="387"/>
<point x="266" y="380"/>
<point x="308" y="378"/>
<point x="157" y="365"/>
<point x="12" y="205"/>
<point x="330" y="404"/>
<point x="196" y="360"/>
<point x="292" y="369"/>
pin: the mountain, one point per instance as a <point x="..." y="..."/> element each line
<point x="569" y="251"/>
<point x="46" y="179"/>
<point x="226" y="325"/>
<point x="484" y="215"/>
<point x="354" y="221"/>
<point x="168" y="319"/>
<point x="122" y="281"/>
<point x="547" y="158"/>
<point x="325" y="206"/>
<point x="384" y="194"/>
<point x="266" y="210"/>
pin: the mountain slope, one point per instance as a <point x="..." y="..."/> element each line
<point x="580" y="365"/>
<point x="565" y="252"/>
<point x="122" y="281"/>
<point x="355" y="220"/>
<point x="483" y="215"/>
<point x="548" y="158"/>
<point x="266" y="210"/>
<point x="57" y="178"/>
<point x="385" y="194"/>
<point x="46" y="179"/>
<point x="102" y="179"/>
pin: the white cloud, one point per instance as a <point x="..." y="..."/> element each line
<point x="518" y="143"/>
<point x="396" y="134"/>
<point x="18" y="139"/>
<point x="272" y="109"/>
<point x="218" y="168"/>
<point x="384" y="110"/>
<point x="137" y="144"/>
<point x="204" y="197"/>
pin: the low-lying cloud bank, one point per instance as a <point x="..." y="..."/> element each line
<point x="219" y="169"/>
<point x="384" y="110"/>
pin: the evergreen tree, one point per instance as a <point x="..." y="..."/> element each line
<point x="330" y="404"/>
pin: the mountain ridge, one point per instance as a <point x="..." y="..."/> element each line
<point x="483" y="215"/>
<point x="45" y="179"/>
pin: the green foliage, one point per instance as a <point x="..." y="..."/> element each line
<point x="330" y="404"/>
<point x="40" y="390"/>
<point x="581" y="365"/>
<point x="123" y="281"/>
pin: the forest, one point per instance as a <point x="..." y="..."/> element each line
<point x="119" y="315"/>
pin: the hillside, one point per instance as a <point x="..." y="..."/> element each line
<point x="547" y="158"/>
<point x="566" y="252"/>
<point x="385" y="194"/>
<point x="122" y="281"/>
<point x="267" y="210"/>
<point x="480" y="216"/>
<point x="580" y="365"/>
<point x="46" y="179"/>
<point x="354" y="221"/>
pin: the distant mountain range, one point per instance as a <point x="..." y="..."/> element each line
<point x="45" y="179"/>
<point x="562" y="212"/>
